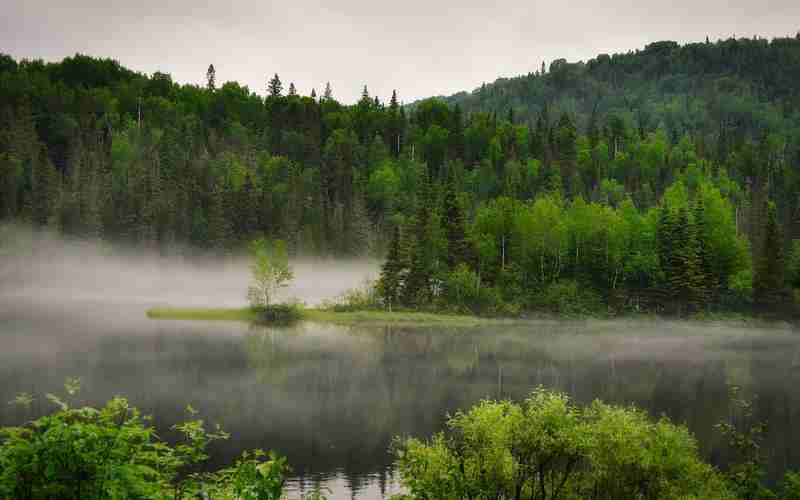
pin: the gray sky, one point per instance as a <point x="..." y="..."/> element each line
<point x="421" y="48"/>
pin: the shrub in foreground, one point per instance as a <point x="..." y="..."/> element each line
<point x="548" y="448"/>
<point x="114" y="452"/>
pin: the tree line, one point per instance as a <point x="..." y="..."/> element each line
<point x="664" y="178"/>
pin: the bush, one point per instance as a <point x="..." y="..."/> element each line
<point x="568" y="297"/>
<point x="791" y="486"/>
<point x="742" y="286"/>
<point x="547" y="447"/>
<point x="113" y="452"/>
<point x="361" y="298"/>
<point x="279" y="313"/>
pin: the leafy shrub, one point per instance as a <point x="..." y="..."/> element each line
<point x="279" y="313"/>
<point x="742" y="285"/>
<point x="461" y="290"/>
<point x="568" y="297"/>
<point x="114" y="452"/>
<point x="791" y="486"/>
<point x="547" y="448"/>
<point x="361" y="298"/>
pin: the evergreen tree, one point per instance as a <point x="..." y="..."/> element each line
<point x="391" y="280"/>
<point x="458" y="249"/>
<point x="419" y="247"/>
<point x="328" y="94"/>
<point x="10" y="173"/>
<point x="211" y="76"/>
<point x="768" y="281"/>
<point x="292" y="89"/>
<point x="274" y="87"/>
<point x="708" y="281"/>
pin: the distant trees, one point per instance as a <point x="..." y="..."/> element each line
<point x="611" y="176"/>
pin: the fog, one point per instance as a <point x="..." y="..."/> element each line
<point x="332" y="397"/>
<point x="40" y="269"/>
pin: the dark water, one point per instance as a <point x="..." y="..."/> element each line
<point x="331" y="398"/>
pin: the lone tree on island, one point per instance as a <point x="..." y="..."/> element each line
<point x="270" y="271"/>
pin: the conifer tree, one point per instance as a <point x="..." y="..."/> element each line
<point x="458" y="249"/>
<point x="708" y="281"/>
<point x="391" y="280"/>
<point x="274" y="87"/>
<point x="328" y="94"/>
<point x="211" y="76"/>
<point x="417" y="287"/>
<point x="768" y="282"/>
<point x="10" y="173"/>
<point x="292" y="89"/>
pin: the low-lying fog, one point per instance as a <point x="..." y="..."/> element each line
<point x="331" y="398"/>
<point x="44" y="270"/>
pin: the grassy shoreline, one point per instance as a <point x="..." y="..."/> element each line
<point x="201" y="314"/>
<point x="327" y="316"/>
<point x="414" y="318"/>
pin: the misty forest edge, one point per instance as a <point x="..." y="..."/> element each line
<point x="661" y="180"/>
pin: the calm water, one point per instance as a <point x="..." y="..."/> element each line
<point x="331" y="398"/>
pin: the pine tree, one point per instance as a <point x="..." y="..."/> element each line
<point x="45" y="191"/>
<point x="292" y="89"/>
<point x="274" y="87"/>
<point x="708" y="281"/>
<point x="458" y="250"/>
<point x="10" y="173"/>
<point x="391" y="280"/>
<point x="328" y="94"/>
<point x="768" y="282"/>
<point x="420" y="259"/>
<point x="211" y="76"/>
<point x="313" y="93"/>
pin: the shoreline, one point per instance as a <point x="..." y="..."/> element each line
<point x="417" y="318"/>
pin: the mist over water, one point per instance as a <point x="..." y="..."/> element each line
<point x="44" y="270"/>
<point x="331" y="397"/>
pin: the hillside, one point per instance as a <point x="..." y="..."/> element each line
<point x="723" y="90"/>
<point x="664" y="178"/>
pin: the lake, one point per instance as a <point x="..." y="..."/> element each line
<point x="331" y="398"/>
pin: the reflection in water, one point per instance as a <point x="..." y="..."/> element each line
<point x="331" y="398"/>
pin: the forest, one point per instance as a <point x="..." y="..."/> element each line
<point x="665" y="179"/>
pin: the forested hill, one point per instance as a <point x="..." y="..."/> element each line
<point x="666" y="176"/>
<point x="722" y="91"/>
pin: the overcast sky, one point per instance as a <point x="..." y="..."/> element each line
<point x="421" y="48"/>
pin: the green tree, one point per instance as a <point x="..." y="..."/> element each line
<point x="392" y="271"/>
<point x="270" y="271"/>
<point x="768" y="282"/>
<point x="274" y="86"/>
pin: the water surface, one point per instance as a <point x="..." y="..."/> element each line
<point x="331" y="398"/>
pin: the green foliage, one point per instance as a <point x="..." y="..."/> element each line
<point x="270" y="272"/>
<point x="278" y="313"/>
<point x="114" y="452"/>
<point x="569" y="298"/>
<point x="793" y="265"/>
<point x="616" y="173"/>
<point x="365" y="297"/>
<point x="547" y="447"/>
<point x="768" y="281"/>
<point x="790" y="489"/>
<point x="744" y="435"/>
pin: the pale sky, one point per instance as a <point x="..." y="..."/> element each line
<point x="421" y="48"/>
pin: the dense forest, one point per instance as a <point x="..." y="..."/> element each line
<point x="662" y="179"/>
